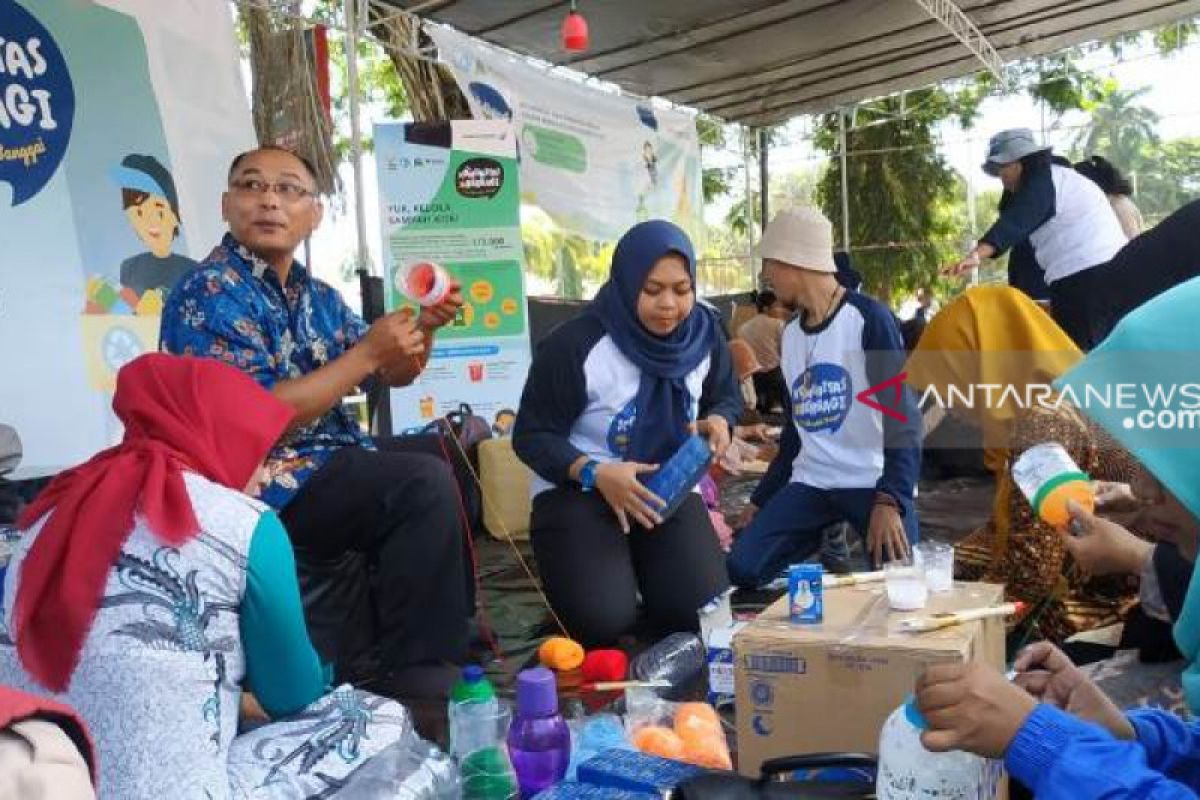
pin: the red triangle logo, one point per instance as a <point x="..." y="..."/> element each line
<point x="867" y="397"/>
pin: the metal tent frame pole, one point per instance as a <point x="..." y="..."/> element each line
<point x="749" y="205"/>
<point x="845" y="180"/>
<point x="764" y="177"/>
<point x="960" y="26"/>
<point x="353" y="31"/>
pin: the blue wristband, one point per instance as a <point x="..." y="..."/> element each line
<point x="587" y="475"/>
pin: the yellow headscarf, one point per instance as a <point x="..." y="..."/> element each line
<point x="992" y="335"/>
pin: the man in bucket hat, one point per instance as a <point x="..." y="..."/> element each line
<point x="842" y="458"/>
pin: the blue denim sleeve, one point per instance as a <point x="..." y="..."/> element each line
<point x="1060" y="757"/>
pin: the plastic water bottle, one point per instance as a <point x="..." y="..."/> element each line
<point x="471" y="711"/>
<point x="907" y="771"/>
<point x="678" y="659"/>
<point x="539" y="741"/>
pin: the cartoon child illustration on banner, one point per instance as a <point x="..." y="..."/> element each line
<point x="121" y="321"/>
<point x="152" y="207"/>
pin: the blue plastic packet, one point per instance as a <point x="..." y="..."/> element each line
<point x="675" y="479"/>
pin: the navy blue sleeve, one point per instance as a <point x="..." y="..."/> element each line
<point x="555" y="395"/>
<point x="1061" y="757"/>
<point x="282" y="668"/>
<point x="721" y="394"/>
<point x="1031" y="206"/>
<point x="1025" y="273"/>
<point x="779" y="474"/>
<point x="886" y="355"/>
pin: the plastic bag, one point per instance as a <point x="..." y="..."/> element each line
<point x="687" y="732"/>
<point x="414" y="770"/>
<point x="591" y="736"/>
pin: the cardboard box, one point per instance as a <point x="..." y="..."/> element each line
<point x="830" y="687"/>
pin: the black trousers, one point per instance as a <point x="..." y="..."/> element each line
<point x="1089" y="304"/>
<point x="397" y="515"/>
<point x="1080" y="305"/>
<point x="593" y="572"/>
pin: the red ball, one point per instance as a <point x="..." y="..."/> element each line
<point x="600" y="666"/>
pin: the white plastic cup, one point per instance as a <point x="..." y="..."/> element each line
<point x="424" y="282"/>
<point x="906" y="586"/>
<point x="937" y="559"/>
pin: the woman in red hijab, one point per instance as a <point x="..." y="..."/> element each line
<point x="148" y="591"/>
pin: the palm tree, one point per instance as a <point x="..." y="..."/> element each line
<point x="1121" y="129"/>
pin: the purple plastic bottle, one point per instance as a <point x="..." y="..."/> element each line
<point x="539" y="742"/>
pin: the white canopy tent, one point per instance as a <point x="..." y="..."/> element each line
<point x="761" y="62"/>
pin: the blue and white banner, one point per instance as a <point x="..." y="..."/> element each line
<point x="112" y="163"/>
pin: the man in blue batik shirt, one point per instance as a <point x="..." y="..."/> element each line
<point x="252" y="305"/>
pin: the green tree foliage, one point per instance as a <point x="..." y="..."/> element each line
<point x="902" y="192"/>
<point x="1168" y="177"/>
<point x="716" y="182"/>
<point x="1121" y="129"/>
<point x="907" y="208"/>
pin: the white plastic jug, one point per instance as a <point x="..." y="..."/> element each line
<point x="907" y="771"/>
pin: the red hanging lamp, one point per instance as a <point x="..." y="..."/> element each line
<point x="574" y="31"/>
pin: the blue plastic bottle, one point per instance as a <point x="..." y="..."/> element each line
<point x="539" y="741"/>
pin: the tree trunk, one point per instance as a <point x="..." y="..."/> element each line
<point x="433" y="94"/>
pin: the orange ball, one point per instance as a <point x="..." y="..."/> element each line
<point x="658" y="741"/>
<point x="561" y="654"/>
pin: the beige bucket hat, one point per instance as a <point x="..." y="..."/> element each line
<point x="801" y="237"/>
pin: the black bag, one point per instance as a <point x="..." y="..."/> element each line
<point x="467" y="428"/>
<point x="727" y="786"/>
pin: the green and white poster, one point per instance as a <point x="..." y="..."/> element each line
<point x="450" y="195"/>
<point x="593" y="163"/>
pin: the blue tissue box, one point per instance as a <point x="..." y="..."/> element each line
<point x="634" y="771"/>
<point x="582" y="791"/>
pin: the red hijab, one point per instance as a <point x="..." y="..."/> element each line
<point x="180" y="414"/>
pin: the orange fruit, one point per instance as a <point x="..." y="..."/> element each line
<point x="693" y="720"/>
<point x="658" y="741"/>
<point x="708" y="751"/>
